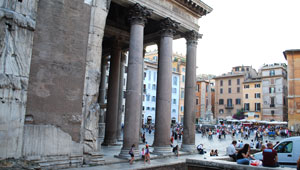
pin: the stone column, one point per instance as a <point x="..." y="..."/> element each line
<point x="188" y="143"/>
<point x="208" y="112"/>
<point x="101" y="99"/>
<point x="138" y="18"/>
<point x="164" y="88"/>
<point x="113" y="96"/>
<point x="122" y="71"/>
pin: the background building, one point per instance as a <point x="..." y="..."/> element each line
<point x="229" y="91"/>
<point x="150" y="79"/>
<point x="274" y="92"/>
<point x="293" y="59"/>
<point x="252" y="98"/>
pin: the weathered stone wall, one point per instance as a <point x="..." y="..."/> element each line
<point x="17" y="24"/>
<point x="91" y="108"/>
<point x="58" y="67"/>
<point x="49" y="140"/>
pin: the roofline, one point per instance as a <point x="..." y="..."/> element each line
<point x="290" y="51"/>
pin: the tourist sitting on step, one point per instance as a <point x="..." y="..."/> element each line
<point x="243" y="156"/>
<point x="200" y="149"/>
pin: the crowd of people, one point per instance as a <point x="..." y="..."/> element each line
<point x="245" y="132"/>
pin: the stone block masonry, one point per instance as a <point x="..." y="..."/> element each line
<point x="58" y="65"/>
<point x="17" y="25"/>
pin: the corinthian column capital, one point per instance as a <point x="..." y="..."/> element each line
<point x="139" y="14"/>
<point x="192" y="37"/>
<point x="168" y="27"/>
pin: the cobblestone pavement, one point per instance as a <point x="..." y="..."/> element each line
<point x="112" y="162"/>
<point x="215" y="143"/>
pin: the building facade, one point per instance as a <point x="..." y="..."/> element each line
<point x="274" y="92"/>
<point x="252" y="99"/>
<point x="229" y="91"/>
<point x="293" y="59"/>
<point x="150" y="80"/>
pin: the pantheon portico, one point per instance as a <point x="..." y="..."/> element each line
<point x="63" y="75"/>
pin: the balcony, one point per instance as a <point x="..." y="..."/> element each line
<point x="228" y="106"/>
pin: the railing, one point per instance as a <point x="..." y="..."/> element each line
<point x="229" y="107"/>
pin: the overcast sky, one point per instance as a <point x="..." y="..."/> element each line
<point x="245" y="32"/>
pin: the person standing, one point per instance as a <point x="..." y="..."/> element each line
<point x="131" y="153"/>
<point x="270" y="158"/>
<point x="147" y="154"/>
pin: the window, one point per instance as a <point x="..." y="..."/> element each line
<point x="174" y="69"/>
<point x="174" y="90"/>
<point x="174" y="101"/>
<point x="153" y="87"/>
<point x="238" y="81"/>
<point x="147" y="108"/>
<point x="183" y="69"/>
<point x="285" y="147"/>
<point x="174" y="80"/>
<point x="173" y="111"/>
<point x="198" y="87"/>
<point x="229" y="90"/>
<point x="149" y="86"/>
<point x="149" y="74"/>
<point x="155" y="58"/>
<point x="246" y="96"/>
<point x="148" y="97"/>
<point x="182" y="94"/>
<point x="257" y="95"/>
<point x="183" y="78"/>
<point x="182" y="108"/>
<point x="221" y="82"/>
<point x="257" y="85"/>
<point x="247" y="69"/>
<point x="246" y="86"/>
<point x="272" y="102"/>
<point x="272" y="112"/>
<point x="154" y="76"/>
<point x="272" y="72"/>
<point x="257" y="107"/>
<point x="237" y="101"/>
<point x="197" y="101"/>
<point x="246" y="106"/>
<point x="238" y="89"/>
<point x="229" y="82"/>
<point x="153" y="108"/>
<point x="272" y="90"/>
<point x="221" y="91"/>
<point x="229" y="102"/>
<point x="256" y="116"/>
<point x="237" y="69"/>
<point x="153" y="99"/>
<point x="221" y="101"/>
<point x="221" y="111"/>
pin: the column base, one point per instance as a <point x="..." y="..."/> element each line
<point x="188" y="148"/>
<point x="125" y="153"/>
<point x="161" y="150"/>
<point x="109" y="142"/>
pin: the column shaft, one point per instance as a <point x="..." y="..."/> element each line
<point x="164" y="88"/>
<point x="188" y="143"/>
<point x="113" y="97"/>
<point x="138" y="15"/>
<point x="122" y="71"/>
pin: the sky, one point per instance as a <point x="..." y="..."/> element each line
<point x="245" y="32"/>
